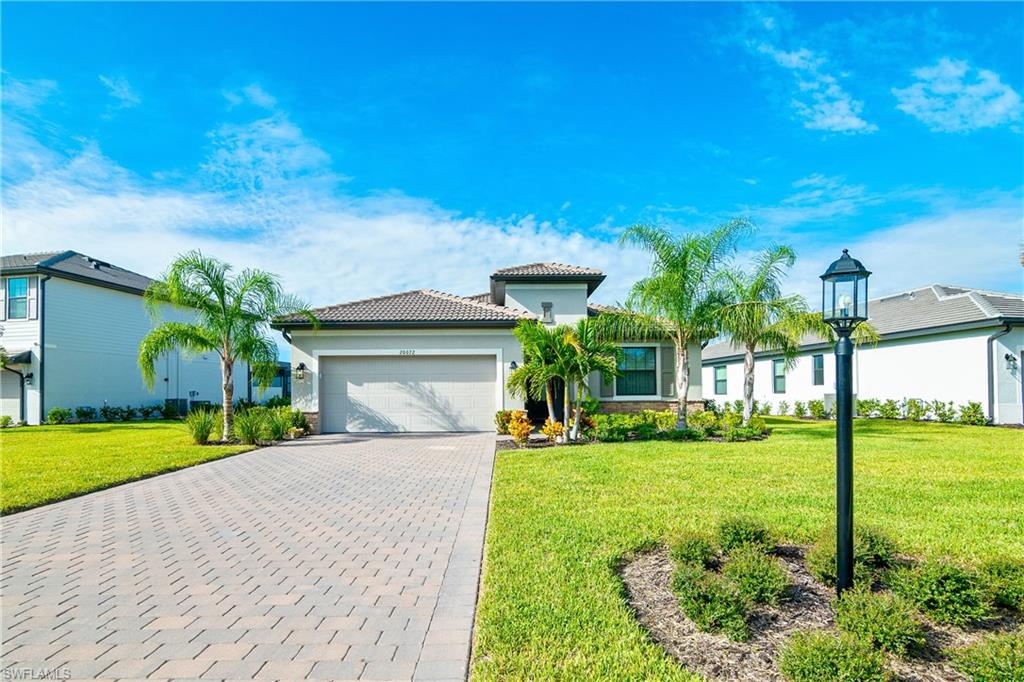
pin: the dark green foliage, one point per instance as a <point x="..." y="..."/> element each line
<point x="693" y="548"/>
<point x="759" y="577"/>
<point x="943" y="591"/>
<point x="279" y="401"/>
<point x="819" y="656"/>
<point x="867" y="407"/>
<point x="643" y="425"/>
<point x="872" y="551"/>
<point x="148" y="411"/>
<point x="58" y="415"/>
<point x="973" y="414"/>
<point x="1004" y="579"/>
<point x="248" y="425"/>
<point x="110" y="413"/>
<point x="128" y="413"/>
<point x="998" y="658"/>
<point x="85" y="414"/>
<point x="879" y="619"/>
<point x="737" y="531"/>
<point x="758" y="424"/>
<point x="169" y="410"/>
<point x="201" y="423"/>
<point x="712" y="603"/>
<point x="944" y="412"/>
<point x="681" y="434"/>
<point x="297" y="420"/>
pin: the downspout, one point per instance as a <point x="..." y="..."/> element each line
<point x="21" y="393"/>
<point x="41" y="303"/>
<point x="991" y="372"/>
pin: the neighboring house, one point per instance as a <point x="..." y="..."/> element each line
<point x="938" y="343"/>
<point x="71" y="326"/>
<point x="431" y="361"/>
<point x="280" y="387"/>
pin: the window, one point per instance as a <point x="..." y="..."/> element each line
<point x="17" y="298"/>
<point x="547" y="316"/>
<point x="818" y="362"/>
<point x="779" y="375"/>
<point x="638" y="366"/>
<point x="720" y="383"/>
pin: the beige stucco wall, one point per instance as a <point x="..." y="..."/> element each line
<point x="569" y="299"/>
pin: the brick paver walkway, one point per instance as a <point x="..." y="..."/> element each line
<point x="334" y="557"/>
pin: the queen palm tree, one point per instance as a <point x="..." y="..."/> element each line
<point x="759" y="316"/>
<point x="232" y="314"/>
<point x="681" y="298"/>
<point x="591" y="353"/>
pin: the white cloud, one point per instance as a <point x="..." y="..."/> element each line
<point x="253" y="94"/>
<point x="816" y="198"/>
<point x="122" y="91"/>
<point x="951" y="96"/>
<point x="26" y="94"/>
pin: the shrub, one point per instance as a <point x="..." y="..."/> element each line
<point x="737" y="406"/>
<point x="880" y="619"/>
<point x="915" y="410"/>
<point x="279" y="401"/>
<point x="553" y="430"/>
<point x="816" y="656"/>
<point x="169" y="410"/>
<point x="783" y="408"/>
<point x="944" y="412"/>
<point x="297" y="420"/>
<point x="758" y="424"/>
<point x="1004" y="579"/>
<point x="501" y="419"/>
<point x="817" y="408"/>
<point x="5" y="421"/>
<point x="58" y="415"/>
<point x="759" y="577"/>
<point x="591" y="405"/>
<point x="713" y="604"/>
<point x="706" y="421"/>
<point x="997" y="658"/>
<point x="276" y="423"/>
<point x="799" y="410"/>
<point x="741" y="433"/>
<point x="128" y="413"/>
<point x="587" y="425"/>
<point x="943" y="591"/>
<point x="711" y="406"/>
<point x="736" y="531"/>
<point x="201" y="423"/>
<point x="693" y="548"/>
<point x="872" y="551"/>
<point x="972" y="414"/>
<point x="764" y="408"/>
<point x="149" y="411"/>
<point x="110" y="413"/>
<point x="243" y="404"/>
<point x="682" y="434"/>
<point x="867" y="407"/>
<point x="890" y="409"/>
<point x="85" y="414"/>
<point x="644" y="425"/>
<point x="248" y="424"/>
<point x="519" y="427"/>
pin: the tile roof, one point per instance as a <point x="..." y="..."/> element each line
<point x="920" y="310"/>
<point x="546" y="270"/>
<point x="74" y="265"/>
<point x="419" y="307"/>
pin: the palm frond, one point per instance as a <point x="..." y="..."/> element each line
<point x="190" y="338"/>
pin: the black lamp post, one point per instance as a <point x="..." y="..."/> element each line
<point x="844" y="305"/>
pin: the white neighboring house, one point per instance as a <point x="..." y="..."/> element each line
<point x="430" y="361"/>
<point x="938" y="343"/>
<point x="71" y="326"/>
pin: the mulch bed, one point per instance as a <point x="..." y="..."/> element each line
<point x="807" y="606"/>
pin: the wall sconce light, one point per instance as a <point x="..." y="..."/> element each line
<point x="300" y="372"/>
<point x="513" y="366"/>
<point x="1011" y="362"/>
<point x="28" y="378"/>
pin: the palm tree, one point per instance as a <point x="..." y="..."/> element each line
<point x="758" y="316"/>
<point x="232" y="314"/>
<point x="681" y="298"/>
<point x="543" y="347"/>
<point x="592" y="353"/>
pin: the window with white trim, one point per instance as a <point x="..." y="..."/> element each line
<point x="17" y="298"/>
<point x="639" y="367"/>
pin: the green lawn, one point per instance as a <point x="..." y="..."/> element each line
<point x="552" y="606"/>
<point x="41" y="464"/>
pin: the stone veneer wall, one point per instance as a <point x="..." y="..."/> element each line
<point x="314" y="421"/>
<point x="618" y="406"/>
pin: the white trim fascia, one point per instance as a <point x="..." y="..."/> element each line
<point x="384" y="331"/>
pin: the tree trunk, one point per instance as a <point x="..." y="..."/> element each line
<point x="748" y="385"/>
<point x="227" y="370"/>
<point x="579" y="412"/>
<point x="568" y="408"/>
<point x="549" y="396"/>
<point x="682" y="382"/>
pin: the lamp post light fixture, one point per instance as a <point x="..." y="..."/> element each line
<point x="844" y="305"/>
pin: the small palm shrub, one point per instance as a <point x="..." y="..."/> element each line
<point x="890" y="409"/>
<point x="553" y="430"/>
<point x="943" y="591"/>
<point x="110" y="413"/>
<point x="816" y="408"/>
<point x="297" y="420"/>
<point x="872" y="551"/>
<point x="764" y="408"/>
<point x="783" y="408"/>
<point x="737" y="406"/>
<point x="915" y="410"/>
<point x="799" y="409"/>
<point x="85" y="414"/>
<point x="249" y="424"/>
<point x="5" y="421"/>
<point x="501" y="419"/>
<point x="693" y="548"/>
<point x="169" y="410"/>
<point x="880" y="619"/>
<point x="736" y="531"/>
<point x="944" y="412"/>
<point x="279" y="401"/>
<point x="148" y="411"/>
<point x="758" y="577"/>
<point x="1004" y="580"/>
<point x="128" y="413"/>
<point x="973" y="414"/>
<point x="711" y="602"/>
<point x="817" y="656"/>
<point x="201" y="423"/>
<point x="998" y="658"/>
<point x="519" y="427"/>
<point x="867" y="407"/>
<point x="276" y="423"/>
<point x="58" y="415"/>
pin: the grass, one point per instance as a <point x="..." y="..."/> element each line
<point x="562" y="519"/>
<point x="43" y="464"/>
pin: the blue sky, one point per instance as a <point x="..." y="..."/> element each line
<point x="364" y="149"/>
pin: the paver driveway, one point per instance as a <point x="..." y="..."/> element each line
<point x="335" y="557"/>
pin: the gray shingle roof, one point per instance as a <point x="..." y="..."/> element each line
<point x="546" y="270"/>
<point x="920" y="311"/>
<point x="77" y="266"/>
<point x="421" y="307"/>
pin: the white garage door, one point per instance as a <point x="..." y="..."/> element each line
<point x="403" y="393"/>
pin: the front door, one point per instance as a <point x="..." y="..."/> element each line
<point x="537" y="410"/>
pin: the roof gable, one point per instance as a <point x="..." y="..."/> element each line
<point x="75" y="266"/>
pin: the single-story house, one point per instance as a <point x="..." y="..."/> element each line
<point x="71" y="326"/>
<point x="425" y="360"/>
<point x="937" y="343"/>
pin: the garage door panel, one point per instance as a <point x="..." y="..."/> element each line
<point x="392" y="393"/>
